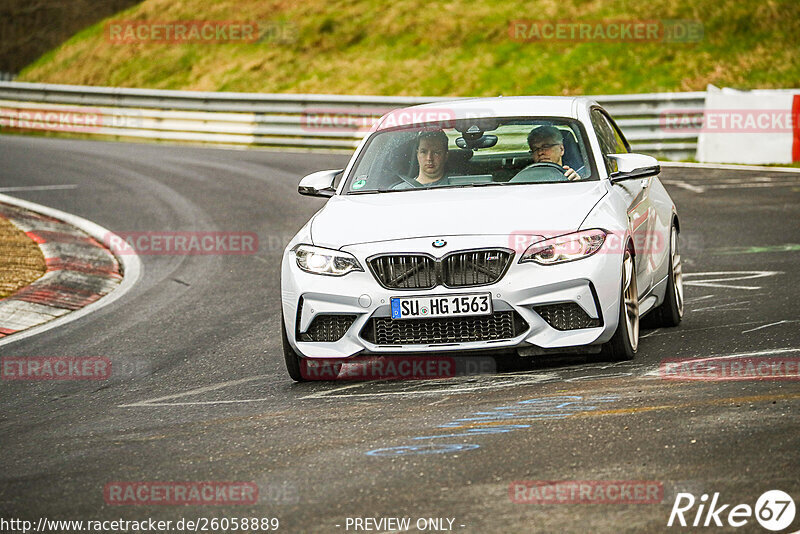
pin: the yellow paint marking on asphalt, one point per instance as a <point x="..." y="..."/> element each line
<point x="640" y="409"/>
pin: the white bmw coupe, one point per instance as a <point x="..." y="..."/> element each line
<point x="517" y="224"/>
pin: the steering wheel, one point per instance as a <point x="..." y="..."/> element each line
<point x="541" y="173"/>
<point x="403" y="182"/>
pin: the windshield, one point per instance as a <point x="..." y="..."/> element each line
<point x="472" y="153"/>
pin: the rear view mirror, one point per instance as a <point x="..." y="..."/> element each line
<point x="319" y="184"/>
<point x="484" y="141"/>
<point x="631" y="166"/>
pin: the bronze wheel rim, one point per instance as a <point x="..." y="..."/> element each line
<point x="677" y="272"/>
<point x="630" y="300"/>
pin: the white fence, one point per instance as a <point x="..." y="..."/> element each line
<point x="287" y="120"/>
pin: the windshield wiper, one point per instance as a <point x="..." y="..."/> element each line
<point x="485" y="184"/>
<point x="479" y="184"/>
<point x="368" y="191"/>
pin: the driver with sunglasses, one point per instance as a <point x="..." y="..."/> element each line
<point x="547" y="146"/>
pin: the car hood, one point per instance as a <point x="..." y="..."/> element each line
<point x="540" y="209"/>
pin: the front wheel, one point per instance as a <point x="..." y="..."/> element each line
<point x="291" y="358"/>
<point x="623" y="345"/>
<point x="300" y="369"/>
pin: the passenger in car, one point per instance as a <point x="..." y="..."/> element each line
<point x="547" y="146"/>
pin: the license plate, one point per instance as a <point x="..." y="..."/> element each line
<point x="441" y="306"/>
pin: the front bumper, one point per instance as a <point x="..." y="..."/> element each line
<point x="592" y="284"/>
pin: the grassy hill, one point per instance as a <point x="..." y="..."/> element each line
<point x="415" y="47"/>
<point x="29" y="28"/>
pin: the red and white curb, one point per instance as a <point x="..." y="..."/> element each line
<point x="82" y="274"/>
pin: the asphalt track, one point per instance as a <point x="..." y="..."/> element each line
<point x="199" y="391"/>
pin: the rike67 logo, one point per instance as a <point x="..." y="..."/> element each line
<point x="774" y="510"/>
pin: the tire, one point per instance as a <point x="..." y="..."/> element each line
<point x="625" y="341"/>
<point x="291" y="358"/>
<point x="670" y="312"/>
<point x="295" y="364"/>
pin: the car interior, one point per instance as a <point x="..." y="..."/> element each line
<point x="397" y="165"/>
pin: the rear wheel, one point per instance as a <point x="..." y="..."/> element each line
<point x="623" y="345"/>
<point x="670" y="312"/>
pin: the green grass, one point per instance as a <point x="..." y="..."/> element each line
<point x="415" y="47"/>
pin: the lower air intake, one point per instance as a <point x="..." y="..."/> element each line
<point x="327" y="328"/>
<point x="498" y="326"/>
<point x="566" y="316"/>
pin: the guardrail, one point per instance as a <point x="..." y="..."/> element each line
<point x="287" y="120"/>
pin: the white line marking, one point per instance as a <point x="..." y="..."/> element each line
<point x="193" y="403"/>
<point x="747" y="186"/>
<point x="717" y="306"/>
<point x="760" y="180"/>
<point x="529" y="379"/>
<point x="766" y="326"/>
<point x="698" y="298"/>
<point x="756" y="179"/>
<point x="684" y="185"/>
<point x="684" y="330"/>
<point x="724" y="286"/>
<point x="656" y="372"/>
<point x="328" y="394"/>
<point x="131" y="266"/>
<point x="598" y="377"/>
<point x="37" y="188"/>
<point x="712" y="309"/>
<point x="649" y="333"/>
<point x="727" y="167"/>
<point x="197" y="391"/>
<point x="741" y="354"/>
<point x="714" y="282"/>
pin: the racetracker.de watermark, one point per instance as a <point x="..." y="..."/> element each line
<point x="85" y="120"/>
<point x="180" y="493"/>
<point x="395" y="367"/>
<point x="55" y="368"/>
<point x="340" y="119"/>
<point x="586" y="492"/>
<point x="736" y="368"/>
<point x="606" y="31"/>
<point x="729" y="120"/>
<point x="570" y="243"/>
<point x="182" y="243"/>
<point x="182" y="31"/>
<point x="361" y="119"/>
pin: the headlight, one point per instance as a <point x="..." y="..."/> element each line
<point x="320" y="260"/>
<point x="565" y="248"/>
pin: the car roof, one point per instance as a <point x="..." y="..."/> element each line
<point x="503" y="106"/>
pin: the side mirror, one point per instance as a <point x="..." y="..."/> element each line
<point x="631" y="166"/>
<point x="319" y="184"/>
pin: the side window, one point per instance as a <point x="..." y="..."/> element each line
<point x="604" y="133"/>
<point x="605" y="136"/>
<point x="622" y="146"/>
